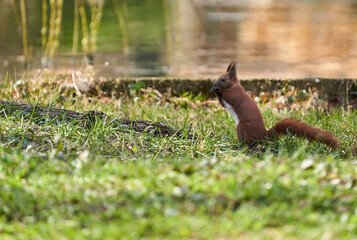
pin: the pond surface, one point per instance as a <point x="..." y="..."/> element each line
<point x="198" y="38"/>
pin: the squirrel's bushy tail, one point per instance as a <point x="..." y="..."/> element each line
<point x="303" y="130"/>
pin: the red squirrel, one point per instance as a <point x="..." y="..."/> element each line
<point x="250" y="125"/>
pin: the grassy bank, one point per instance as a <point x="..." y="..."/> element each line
<point x="63" y="181"/>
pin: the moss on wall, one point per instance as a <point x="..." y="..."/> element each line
<point x="175" y="86"/>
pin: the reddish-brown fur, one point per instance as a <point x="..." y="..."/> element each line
<point x="251" y="125"/>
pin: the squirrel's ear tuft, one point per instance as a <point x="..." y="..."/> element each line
<point x="231" y="65"/>
<point x="232" y="70"/>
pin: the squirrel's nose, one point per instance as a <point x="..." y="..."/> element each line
<point x="215" y="87"/>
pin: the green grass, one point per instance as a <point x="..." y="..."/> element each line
<point x="61" y="181"/>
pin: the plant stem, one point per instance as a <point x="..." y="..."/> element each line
<point x="52" y="28"/>
<point x="168" y="31"/>
<point x="57" y="27"/>
<point x="16" y="13"/>
<point x="85" y="39"/>
<point x="44" y="24"/>
<point x="96" y="15"/>
<point x="24" y="33"/>
<point x="75" y="27"/>
<point x="123" y="26"/>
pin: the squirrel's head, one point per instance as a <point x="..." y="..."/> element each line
<point x="226" y="80"/>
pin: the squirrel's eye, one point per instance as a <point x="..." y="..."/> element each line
<point x="223" y="79"/>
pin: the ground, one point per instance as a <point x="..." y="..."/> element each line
<point x="60" y="180"/>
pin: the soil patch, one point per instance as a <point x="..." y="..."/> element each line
<point x="85" y="119"/>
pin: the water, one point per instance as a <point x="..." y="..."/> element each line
<point x="198" y="38"/>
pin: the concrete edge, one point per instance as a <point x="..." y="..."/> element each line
<point x="176" y="86"/>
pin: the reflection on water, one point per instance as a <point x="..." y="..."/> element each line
<point x="198" y="38"/>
